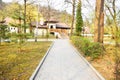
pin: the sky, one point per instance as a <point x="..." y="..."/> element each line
<point x="7" y="0"/>
<point x="58" y="4"/>
<point x="87" y="9"/>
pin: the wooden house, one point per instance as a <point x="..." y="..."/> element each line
<point x="53" y="27"/>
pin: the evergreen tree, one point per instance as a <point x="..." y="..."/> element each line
<point x="3" y="31"/>
<point x="79" y="20"/>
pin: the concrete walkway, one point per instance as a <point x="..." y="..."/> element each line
<point x="64" y="63"/>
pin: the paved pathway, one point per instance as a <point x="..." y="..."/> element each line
<point x="63" y="63"/>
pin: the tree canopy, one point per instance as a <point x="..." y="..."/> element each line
<point x="79" y="20"/>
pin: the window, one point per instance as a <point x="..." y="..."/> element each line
<point x="51" y="26"/>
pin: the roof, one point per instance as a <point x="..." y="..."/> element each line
<point x="2" y="21"/>
<point x="39" y="25"/>
<point x="58" y="25"/>
<point x="62" y="26"/>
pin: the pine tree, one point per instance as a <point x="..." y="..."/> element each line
<point x="79" y="20"/>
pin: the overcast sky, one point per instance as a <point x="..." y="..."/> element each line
<point x="87" y="9"/>
<point x="7" y="0"/>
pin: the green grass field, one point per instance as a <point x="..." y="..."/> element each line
<point x="15" y="65"/>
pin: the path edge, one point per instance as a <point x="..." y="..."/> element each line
<point x="96" y="72"/>
<point x="41" y="63"/>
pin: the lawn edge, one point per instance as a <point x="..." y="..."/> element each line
<point x="41" y="63"/>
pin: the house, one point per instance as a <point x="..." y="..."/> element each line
<point x="54" y="27"/>
<point x="13" y="29"/>
<point x="51" y="26"/>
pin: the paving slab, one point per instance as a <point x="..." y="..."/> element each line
<point x="64" y="63"/>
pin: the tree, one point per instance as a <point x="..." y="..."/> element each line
<point x="79" y="20"/>
<point x="114" y="19"/>
<point x="49" y="3"/>
<point x="31" y="15"/>
<point x="73" y="3"/>
<point x="25" y="5"/>
<point x="99" y="21"/>
<point x="2" y="11"/>
<point x="114" y="14"/>
<point x="14" y="11"/>
<point x="18" y="18"/>
<point x="3" y="31"/>
<point x="65" y="17"/>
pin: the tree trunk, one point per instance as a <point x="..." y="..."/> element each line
<point x="99" y="21"/>
<point x="25" y="16"/>
<point x="73" y="17"/>
<point x="0" y="40"/>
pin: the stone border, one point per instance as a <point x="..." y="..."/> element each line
<point x="96" y="72"/>
<point x="41" y="63"/>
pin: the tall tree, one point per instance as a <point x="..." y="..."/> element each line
<point x="49" y="3"/>
<point x="79" y="20"/>
<point x="115" y="30"/>
<point x="114" y="14"/>
<point x="73" y="3"/>
<point x="99" y="21"/>
<point x="73" y="16"/>
<point x="31" y="14"/>
<point x="14" y="10"/>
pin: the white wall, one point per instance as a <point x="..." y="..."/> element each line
<point x="13" y="29"/>
<point x="52" y="24"/>
<point x="27" y="30"/>
<point x="40" y="31"/>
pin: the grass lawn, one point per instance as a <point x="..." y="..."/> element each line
<point x="15" y="65"/>
<point x="43" y="37"/>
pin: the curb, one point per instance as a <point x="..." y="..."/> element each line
<point x="41" y="63"/>
<point x="96" y="72"/>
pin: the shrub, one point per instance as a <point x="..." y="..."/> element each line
<point x="94" y="50"/>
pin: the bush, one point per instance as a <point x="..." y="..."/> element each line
<point x="94" y="50"/>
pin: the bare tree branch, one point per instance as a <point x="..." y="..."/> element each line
<point x="109" y="10"/>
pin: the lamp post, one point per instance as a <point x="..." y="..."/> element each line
<point x="37" y="23"/>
